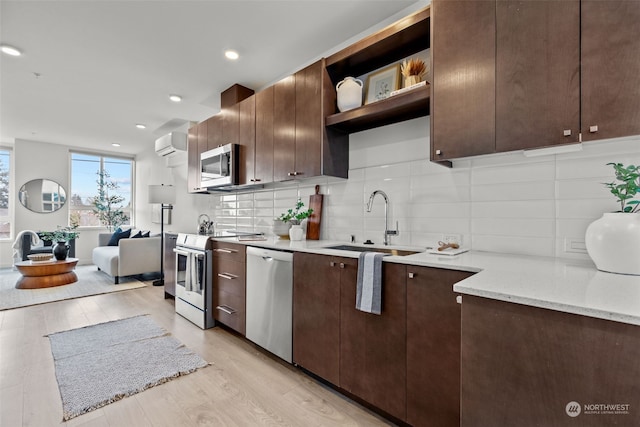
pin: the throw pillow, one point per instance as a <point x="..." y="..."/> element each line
<point x="117" y="235"/>
<point x="138" y="235"/>
<point x="146" y="233"/>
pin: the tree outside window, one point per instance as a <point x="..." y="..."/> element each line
<point x="107" y="180"/>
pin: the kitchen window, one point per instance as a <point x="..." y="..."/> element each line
<point x="5" y="193"/>
<point x="85" y="175"/>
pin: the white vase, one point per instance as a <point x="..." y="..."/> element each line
<point x="281" y="228"/>
<point x="613" y="243"/>
<point x="295" y="232"/>
<point x="349" y="92"/>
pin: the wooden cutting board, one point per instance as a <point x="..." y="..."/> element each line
<point x="313" y="224"/>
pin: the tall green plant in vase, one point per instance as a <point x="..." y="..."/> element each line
<point x="613" y="241"/>
<point x="107" y="204"/>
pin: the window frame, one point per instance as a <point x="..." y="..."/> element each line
<point x="102" y="156"/>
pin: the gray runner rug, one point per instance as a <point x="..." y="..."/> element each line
<point x="100" y="364"/>
<point x="90" y="282"/>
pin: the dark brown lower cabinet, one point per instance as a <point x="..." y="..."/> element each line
<point x="433" y="347"/>
<point x="373" y="347"/>
<point x="528" y="366"/>
<point x="316" y="314"/>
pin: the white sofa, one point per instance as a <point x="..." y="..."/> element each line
<point x="130" y="257"/>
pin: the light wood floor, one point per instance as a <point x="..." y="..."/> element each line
<point x="242" y="387"/>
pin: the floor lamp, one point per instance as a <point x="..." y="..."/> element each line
<point x="165" y="196"/>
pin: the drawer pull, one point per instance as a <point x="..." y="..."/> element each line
<point x="226" y="251"/>
<point x="226" y="309"/>
<point x="227" y="276"/>
<point x="342" y="265"/>
<point x="593" y="129"/>
<point x="459" y="299"/>
<point x="566" y="132"/>
<point x="332" y="264"/>
<point x="412" y="275"/>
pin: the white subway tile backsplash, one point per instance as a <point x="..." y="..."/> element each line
<point x="502" y="203"/>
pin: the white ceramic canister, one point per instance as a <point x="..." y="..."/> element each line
<point x="349" y="94"/>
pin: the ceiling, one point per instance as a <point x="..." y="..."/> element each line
<point x="92" y="70"/>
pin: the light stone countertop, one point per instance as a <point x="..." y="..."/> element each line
<point x="571" y="286"/>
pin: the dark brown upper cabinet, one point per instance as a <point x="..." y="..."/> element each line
<point x="610" y="69"/>
<point x="537" y="73"/>
<point x="511" y="75"/>
<point x="463" y="74"/>
<point x="393" y="43"/>
<point x="247" y="139"/>
<point x="214" y="131"/>
<point x="263" y="160"/>
<point x="196" y="144"/>
<point x="284" y="132"/>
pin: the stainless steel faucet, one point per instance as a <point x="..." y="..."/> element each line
<point x="387" y="232"/>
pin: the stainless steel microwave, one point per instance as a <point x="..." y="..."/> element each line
<point x="219" y="166"/>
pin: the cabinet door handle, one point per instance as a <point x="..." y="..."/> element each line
<point x="226" y="251"/>
<point x="226" y="309"/>
<point x="342" y="265"/>
<point x="227" y="276"/>
<point x="459" y="299"/>
<point x="593" y="129"/>
<point x="291" y="174"/>
<point x="256" y="180"/>
<point x="332" y="264"/>
<point x="566" y="132"/>
<point x="411" y="275"/>
<point x="438" y="152"/>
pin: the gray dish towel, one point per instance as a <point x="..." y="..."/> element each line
<point x="369" y="285"/>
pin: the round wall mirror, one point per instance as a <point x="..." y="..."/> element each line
<point x="42" y="196"/>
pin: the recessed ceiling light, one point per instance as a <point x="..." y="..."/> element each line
<point x="175" y="98"/>
<point x="115" y="144"/>
<point x="231" y="54"/>
<point x="141" y="126"/>
<point x="10" y="50"/>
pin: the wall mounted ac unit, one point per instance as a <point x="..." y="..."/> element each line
<point x="171" y="143"/>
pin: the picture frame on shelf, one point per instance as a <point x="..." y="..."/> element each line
<point x="381" y="83"/>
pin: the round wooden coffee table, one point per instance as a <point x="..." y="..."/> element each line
<point x="37" y="275"/>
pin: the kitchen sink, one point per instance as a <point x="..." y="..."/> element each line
<point x="398" y="252"/>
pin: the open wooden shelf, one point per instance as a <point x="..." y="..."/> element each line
<point x="393" y="43"/>
<point x="398" y="108"/>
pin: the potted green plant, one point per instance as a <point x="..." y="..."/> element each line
<point x="60" y="237"/>
<point x="294" y="217"/>
<point x="613" y="241"/>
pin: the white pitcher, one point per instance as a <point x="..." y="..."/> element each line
<point x="349" y="94"/>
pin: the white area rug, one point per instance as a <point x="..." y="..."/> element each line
<point x="100" y="364"/>
<point x="90" y="282"/>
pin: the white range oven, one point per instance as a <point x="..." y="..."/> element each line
<point x="194" y="269"/>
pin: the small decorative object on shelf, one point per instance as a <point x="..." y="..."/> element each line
<point x="413" y="71"/>
<point x="349" y="93"/>
<point x="613" y="241"/>
<point x="381" y="83"/>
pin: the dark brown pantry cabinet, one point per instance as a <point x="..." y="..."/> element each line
<point x="247" y="139"/>
<point x="316" y="313"/>
<point x="373" y="357"/>
<point x="433" y="346"/>
<point x="610" y="69"/>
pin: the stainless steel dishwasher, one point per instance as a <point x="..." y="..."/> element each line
<point x="269" y="297"/>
